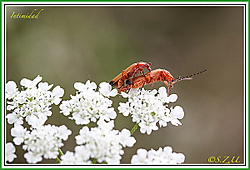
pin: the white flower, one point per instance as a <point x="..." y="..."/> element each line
<point x="81" y="156"/>
<point x="106" y="125"/>
<point x="89" y="105"/>
<point x="161" y="156"/>
<point x="45" y="86"/>
<point x="68" y="158"/>
<point x="30" y="83"/>
<point x="63" y="132"/>
<point x="126" y="140"/>
<point x="103" y="143"/>
<point x="11" y="89"/>
<point x="175" y="114"/>
<point x="34" y="121"/>
<point x="19" y="133"/>
<point x="125" y="109"/>
<point x="163" y="95"/>
<point x="44" y="141"/>
<point x="10" y="152"/>
<point x="140" y="158"/>
<point x="106" y="89"/>
<point x="32" y="158"/>
<point x="32" y="104"/>
<point x="57" y="92"/>
<point x="144" y="127"/>
<point x="83" y="87"/>
<point x="151" y="107"/>
<point x="14" y="118"/>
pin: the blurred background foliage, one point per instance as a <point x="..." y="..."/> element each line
<point x="79" y="43"/>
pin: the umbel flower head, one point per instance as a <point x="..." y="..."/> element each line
<point x="33" y="103"/>
<point x="101" y="143"/>
<point x="151" y="107"/>
<point x="88" y="104"/>
<point x="161" y="156"/>
<point x="41" y="141"/>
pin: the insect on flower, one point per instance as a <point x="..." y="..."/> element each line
<point x="153" y="77"/>
<point x="129" y="72"/>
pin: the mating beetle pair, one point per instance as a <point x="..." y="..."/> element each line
<point x="132" y="81"/>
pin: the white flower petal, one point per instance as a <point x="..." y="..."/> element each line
<point x="57" y="91"/>
<point x="11" y="89"/>
<point x="173" y="98"/>
<point x="25" y="82"/>
<point x="10" y="150"/>
<point x="178" y="157"/>
<point x="11" y="118"/>
<point x="30" y="83"/>
<point x="91" y="85"/>
<point x="177" y="112"/>
<point x="106" y="89"/>
<point x="163" y="92"/>
<point x="113" y="93"/>
<point x="44" y="86"/>
<point x="31" y="158"/>
<point x="160" y="156"/>
<point x="79" y="86"/>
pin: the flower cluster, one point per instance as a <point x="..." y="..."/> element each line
<point x="33" y="104"/>
<point x="161" y="156"/>
<point x="41" y="141"/>
<point x="88" y="104"/>
<point x="101" y="143"/>
<point x="149" y="107"/>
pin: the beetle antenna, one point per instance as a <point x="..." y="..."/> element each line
<point x="188" y="77"/>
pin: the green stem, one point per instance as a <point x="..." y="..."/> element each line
<point x="60" y="151"/>
<point x="134" y="128"/>
<point x="58" y="160"/>
<point x="104" y="162"/>
<point x="94" y="161"/>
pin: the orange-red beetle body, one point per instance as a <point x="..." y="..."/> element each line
<point x="150" y="77"/>
<point x="129" y="72"/>
<point x="153" y="77"/>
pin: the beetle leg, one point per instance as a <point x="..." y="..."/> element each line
<point x="152" y="86"/>
<point x="169" y="86"/>
<point x="124" y="74"/>
<point x="120" y="82"/>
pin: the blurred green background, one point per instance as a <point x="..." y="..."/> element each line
<point x="79" y="43"/>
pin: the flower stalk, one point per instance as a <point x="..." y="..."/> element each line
<point x="58" y="160"/>
<point x="60" y="152"/>
<point x="134" y="128"/>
